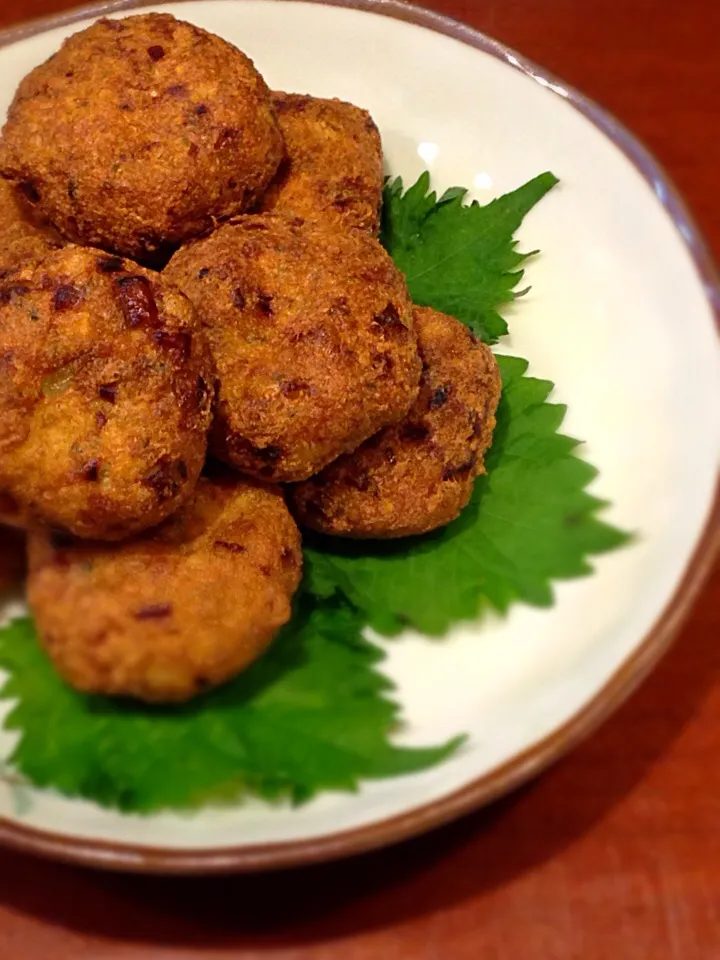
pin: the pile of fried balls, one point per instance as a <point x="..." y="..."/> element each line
<point x="203" y="346"/>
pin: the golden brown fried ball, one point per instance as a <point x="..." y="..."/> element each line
<point x="333" y="167"/>
<point x="141" y="133"/>
<point x="313" y="336"/>
<point x="418" y="475"/>
<point x="23" y="238"/>
<point x="12" y="558"/>
<point x="106" y="392"/>
<point x="181" y="608"/>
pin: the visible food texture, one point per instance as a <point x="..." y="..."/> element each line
<point x="313" y="335"/>
<point x="177" y="610"/>
<point x="211" y="338"/>
<point x="140" y="134"/>
<point x="24" y="238"/>
<point x="190" y="268"/>
<point x="106" y="388"/>
<point x="333" y="167"/>
<point x="417" y="475"/>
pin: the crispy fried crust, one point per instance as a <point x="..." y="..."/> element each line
<point x="12" y="558"/>
<point x="140" y="133"/>
<point x="333" y="166"/>
<point x="313" y="335"/>
<point x="24" y="240"/>
<point x="182" y="608"/>
<point x="106" y="392"/>
<point x="418" y="475"/>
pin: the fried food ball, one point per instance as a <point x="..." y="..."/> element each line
<point x="24" y="239"/>
<point x="181" y="608"/>
<point x="140" y="133"/>
<point x="106" y="392"/>
<point x="12" y="558"/>
<point x="418" y="475"/>
<point x="312" y="332"/>
<point x="333" y="167"/>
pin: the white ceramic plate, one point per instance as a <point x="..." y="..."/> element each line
<point x="620" y="316"/>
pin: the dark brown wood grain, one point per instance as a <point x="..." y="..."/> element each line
<point x="612" y="855"/>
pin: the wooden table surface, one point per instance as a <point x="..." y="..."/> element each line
<point x="615" y="853"/>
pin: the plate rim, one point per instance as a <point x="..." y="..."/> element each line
<point x="132" y="857"/>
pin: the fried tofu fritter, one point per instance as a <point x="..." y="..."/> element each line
<point x="313" y="336"/>
<point x="293" y="342"/>
<point x="106" y="391"/>
<point x="333" y="166"/>
<point x="181" y="608"/>
<point x="417" y="475"/>
<point x="141" y="133"/>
